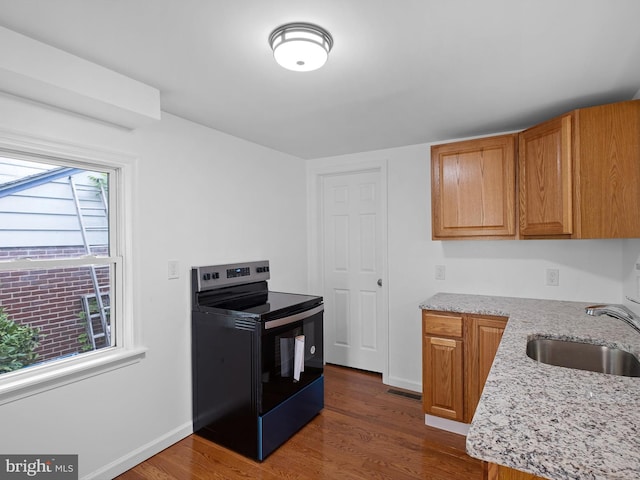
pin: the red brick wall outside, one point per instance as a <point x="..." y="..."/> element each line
<point x="50" y="299"/>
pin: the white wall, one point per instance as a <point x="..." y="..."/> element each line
<point x="631" y="262"/>
<point x="590" y="270"/>
<point x="201" y="197"/>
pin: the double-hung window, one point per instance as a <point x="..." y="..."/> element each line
<point x="64" y="243"/>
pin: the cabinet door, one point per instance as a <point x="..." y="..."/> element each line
<point x="443" y="377"/>
<point x="473" y="188"/>
<point x="545" y="178"/>
<point x="607" y="160"/>
<point x="483" y="341"/>
<point x="489" y="334"/>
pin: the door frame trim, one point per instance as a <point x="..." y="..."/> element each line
<point x="315" y="258"/>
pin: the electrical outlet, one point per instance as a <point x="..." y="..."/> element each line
<point x="173" y="269"/>
<point x="553" y="277"/>
<point x="440" y="272"/>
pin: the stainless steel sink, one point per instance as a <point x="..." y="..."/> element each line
<point x="583" y="356"/>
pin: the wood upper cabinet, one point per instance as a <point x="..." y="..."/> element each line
<point x="473" y="188"/>
<point x="545" y="178"/>
<point x="458" y="351"/>
<point x="579" y="174"/>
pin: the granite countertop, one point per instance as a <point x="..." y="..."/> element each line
<point x="555" y="422"/>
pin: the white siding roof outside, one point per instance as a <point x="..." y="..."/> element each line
<point x="45" y="214"/>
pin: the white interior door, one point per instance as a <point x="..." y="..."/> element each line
<point x="354" y="253"/>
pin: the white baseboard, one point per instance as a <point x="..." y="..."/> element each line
<point x="139" y="455"/>
<point x="403" y="383"/>
<point x="446" y="424"/>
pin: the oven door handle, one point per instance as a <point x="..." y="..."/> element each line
<point x="293" y="318"/>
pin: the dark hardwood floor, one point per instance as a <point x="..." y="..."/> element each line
<point x="363" y="433"/>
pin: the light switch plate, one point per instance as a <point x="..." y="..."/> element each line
<point x="173" y="269"/>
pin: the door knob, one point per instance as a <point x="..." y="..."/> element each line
<point x="379" y="282"/>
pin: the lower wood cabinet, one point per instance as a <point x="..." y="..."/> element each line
<point x="498" y="472"/>
<point x="458" y="350"/>
<point x="484" y="335"/>
<point x="442" y="375"/>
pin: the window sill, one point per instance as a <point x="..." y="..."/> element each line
<point x="40" y="378"/>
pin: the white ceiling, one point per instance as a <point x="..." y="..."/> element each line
<point x="401" y="72"/>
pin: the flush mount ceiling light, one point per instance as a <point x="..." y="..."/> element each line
<point x="300" y="46"/>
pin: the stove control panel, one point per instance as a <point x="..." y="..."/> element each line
<point x="216" y="276"/>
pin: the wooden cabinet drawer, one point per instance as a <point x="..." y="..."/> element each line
<point x="442" y="324"/>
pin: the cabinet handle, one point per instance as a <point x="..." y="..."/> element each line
<point x="379" y="282"/>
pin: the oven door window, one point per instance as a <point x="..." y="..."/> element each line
<point x="292" y="357"/>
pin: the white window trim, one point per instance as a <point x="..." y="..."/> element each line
<point x="39" y="378"/>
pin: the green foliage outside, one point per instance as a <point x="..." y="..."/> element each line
<point x="17" y="344"/>
<point x="101" y="182"/>
<point x="83" y="338"/>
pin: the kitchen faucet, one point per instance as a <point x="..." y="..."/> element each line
<point x="616" y="311"/>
